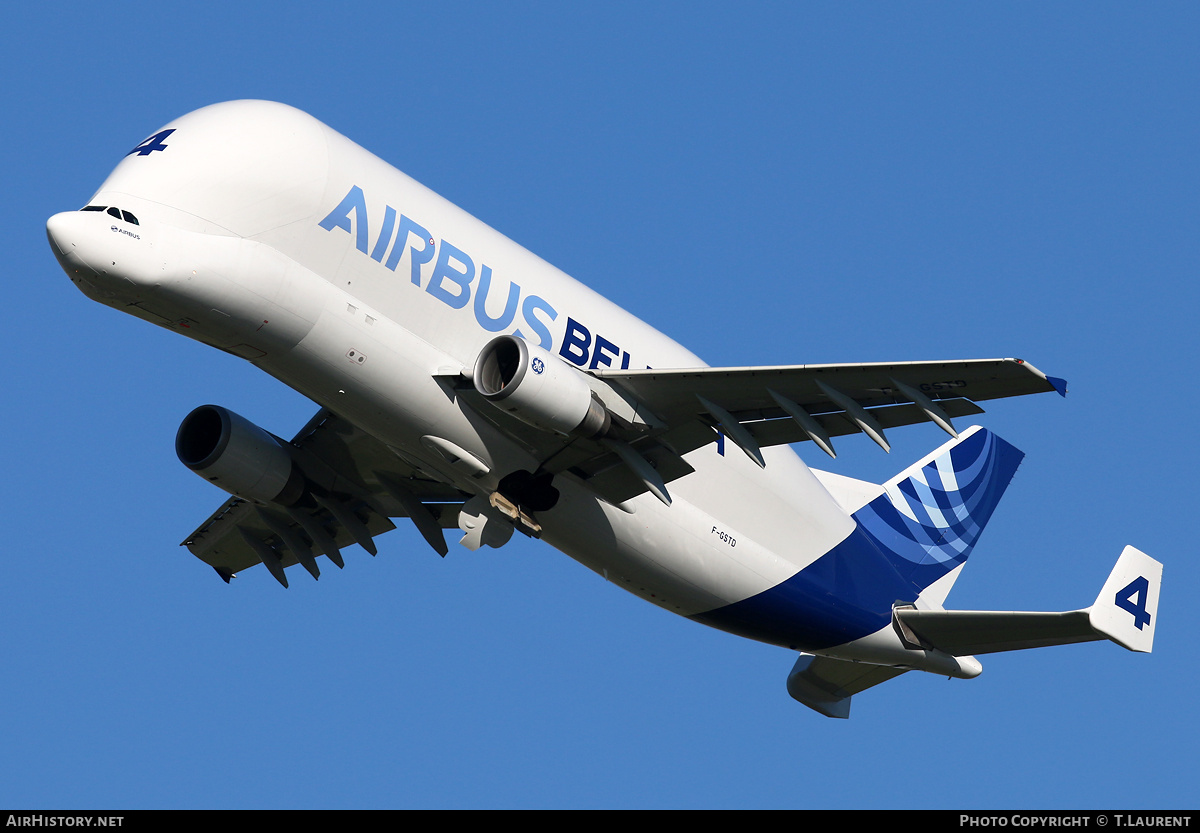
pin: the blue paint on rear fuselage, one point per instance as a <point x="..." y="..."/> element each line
<point x="925" y="525"/>
<point x="842" y="596"/>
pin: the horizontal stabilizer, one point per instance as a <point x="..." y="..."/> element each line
<point x="1126" y="612"/>
<point x="825" y="684"/>
<point x="968" y="632"/>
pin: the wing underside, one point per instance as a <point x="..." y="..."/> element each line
<point x="359" y="486"/>
<point x="759" y="407"/>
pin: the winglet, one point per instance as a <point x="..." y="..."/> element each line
<point x="1126" y="611"/>
<point x="1058" y="384"/>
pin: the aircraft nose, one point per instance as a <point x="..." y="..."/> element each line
<point x="65" y="233"/>
<point x="57" y="230"/>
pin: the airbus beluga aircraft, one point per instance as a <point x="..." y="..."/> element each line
<point x="465" y="384"/>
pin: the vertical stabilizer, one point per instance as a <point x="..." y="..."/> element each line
<point x="931" y="514"/>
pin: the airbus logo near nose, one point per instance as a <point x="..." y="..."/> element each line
<point x="78" y="238"/>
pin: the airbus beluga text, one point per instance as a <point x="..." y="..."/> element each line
<point x="466" y="384"/>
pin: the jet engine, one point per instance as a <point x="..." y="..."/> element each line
<point x="235" y="454"/>
<point x="538" y="388"/>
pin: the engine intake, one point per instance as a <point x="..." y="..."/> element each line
<point x="538" y="388"/>
<point x="235" y="454"/>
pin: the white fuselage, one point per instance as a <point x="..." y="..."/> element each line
<point x="268" y="235"/>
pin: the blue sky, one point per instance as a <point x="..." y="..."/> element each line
<point x="781" y="183"/>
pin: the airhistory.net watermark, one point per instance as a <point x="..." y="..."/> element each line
<point x="44" y="820"/>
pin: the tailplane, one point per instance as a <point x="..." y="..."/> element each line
<point x="913" y="535"/>
<point x="1126" y="612"/>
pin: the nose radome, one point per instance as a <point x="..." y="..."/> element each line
<point x="58" y="231"/>
<point x="81" y="240"/>
<point x="68" y="236"/>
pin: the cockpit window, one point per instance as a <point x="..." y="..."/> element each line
<point x="119" y="213"/>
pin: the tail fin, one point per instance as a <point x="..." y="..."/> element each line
<point x="931" y="514"/>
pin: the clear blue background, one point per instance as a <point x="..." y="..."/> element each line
<point x="768" y="183"/>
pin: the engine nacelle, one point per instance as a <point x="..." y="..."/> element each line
<point x="235" y="454"/>
<point x="538" y="388"/>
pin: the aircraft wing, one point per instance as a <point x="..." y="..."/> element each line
<point x="836" y="395"/>
<point x="662" y="414"/>
<point x="756" y="407"/>
<point x="360" y="485"/>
